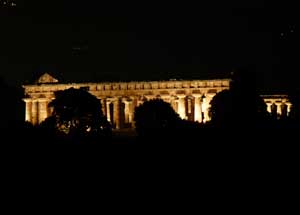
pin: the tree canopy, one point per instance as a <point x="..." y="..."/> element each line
<point x="155" y="116"/>
<point x="77" y="113"/>
<point x="294" y="98"/>
<point x="12" y="106"/>
<point x="241" y="104"/>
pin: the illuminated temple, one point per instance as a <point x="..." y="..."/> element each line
<point x="189" y="98"/>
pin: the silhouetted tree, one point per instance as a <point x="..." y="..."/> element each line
<point x="48" y="129"/>
<point x="11" y="106"/>
<point x="222" y="107"/>
<point x="77" y="114"/>
<point x="241" y="104"/>
<point x="155" y="118"/>
<point x="294" y="98"/>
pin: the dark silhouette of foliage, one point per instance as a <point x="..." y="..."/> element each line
<point x="48" y="128"/>
<point x="240" y="105"/>
<point x="222" y="107"/>
<point x="12" y="107"/>
<point x="155" y="117"/>
<point x="77" y="114"/>
<point x="294" y="98"/>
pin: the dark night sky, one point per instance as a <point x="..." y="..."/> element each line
<point x="141" y="41"/>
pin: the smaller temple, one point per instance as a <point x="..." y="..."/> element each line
<point x="189" y="98"/>
<point x="277" y="105"/>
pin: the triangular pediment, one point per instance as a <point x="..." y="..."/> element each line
<point x="46" y="78"/>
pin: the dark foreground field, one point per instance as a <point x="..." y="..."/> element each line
<point x="225" y="170"/>
<point x="206" y="144"/>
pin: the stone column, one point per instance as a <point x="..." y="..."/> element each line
<point x="181" y="106"/>
<point x="103" y="106"/>
<point x="206" y="106"/>
<point x="279" y="109"/>
<point x="126" y="111"/>
<point x="174" y="104"/>
<point x="189" y="106"/>
<point x="34" y="111"/>
<point x="131" y="112"/>
<point x="108" y="111"/>
<point x="42" y="110"/>
<point x="197" y="108"/>
<point x="289" y="106"/>
<point x="28" y="110"/>
<point x="117" y="120"/>
<point x="269" y="109"/>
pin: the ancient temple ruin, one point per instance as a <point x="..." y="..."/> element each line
<point x="189" y="98"/>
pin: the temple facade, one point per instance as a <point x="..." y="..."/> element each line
<point x="189" y="98"/>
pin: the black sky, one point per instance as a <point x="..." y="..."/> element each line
<point x="88" y="41"/>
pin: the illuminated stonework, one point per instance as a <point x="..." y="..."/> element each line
<point x="190" y="99"/>
<point x="277" y="105"/>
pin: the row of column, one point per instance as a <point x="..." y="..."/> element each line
<point x="120" y="111"/>
<point x="279" y="109"/>
<point x="201" y="107"/>
<point x="36" y="110"/>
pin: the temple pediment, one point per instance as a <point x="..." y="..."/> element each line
<point x="46" y="79"/>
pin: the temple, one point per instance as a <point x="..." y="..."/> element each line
<point x="189" y="98"/>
